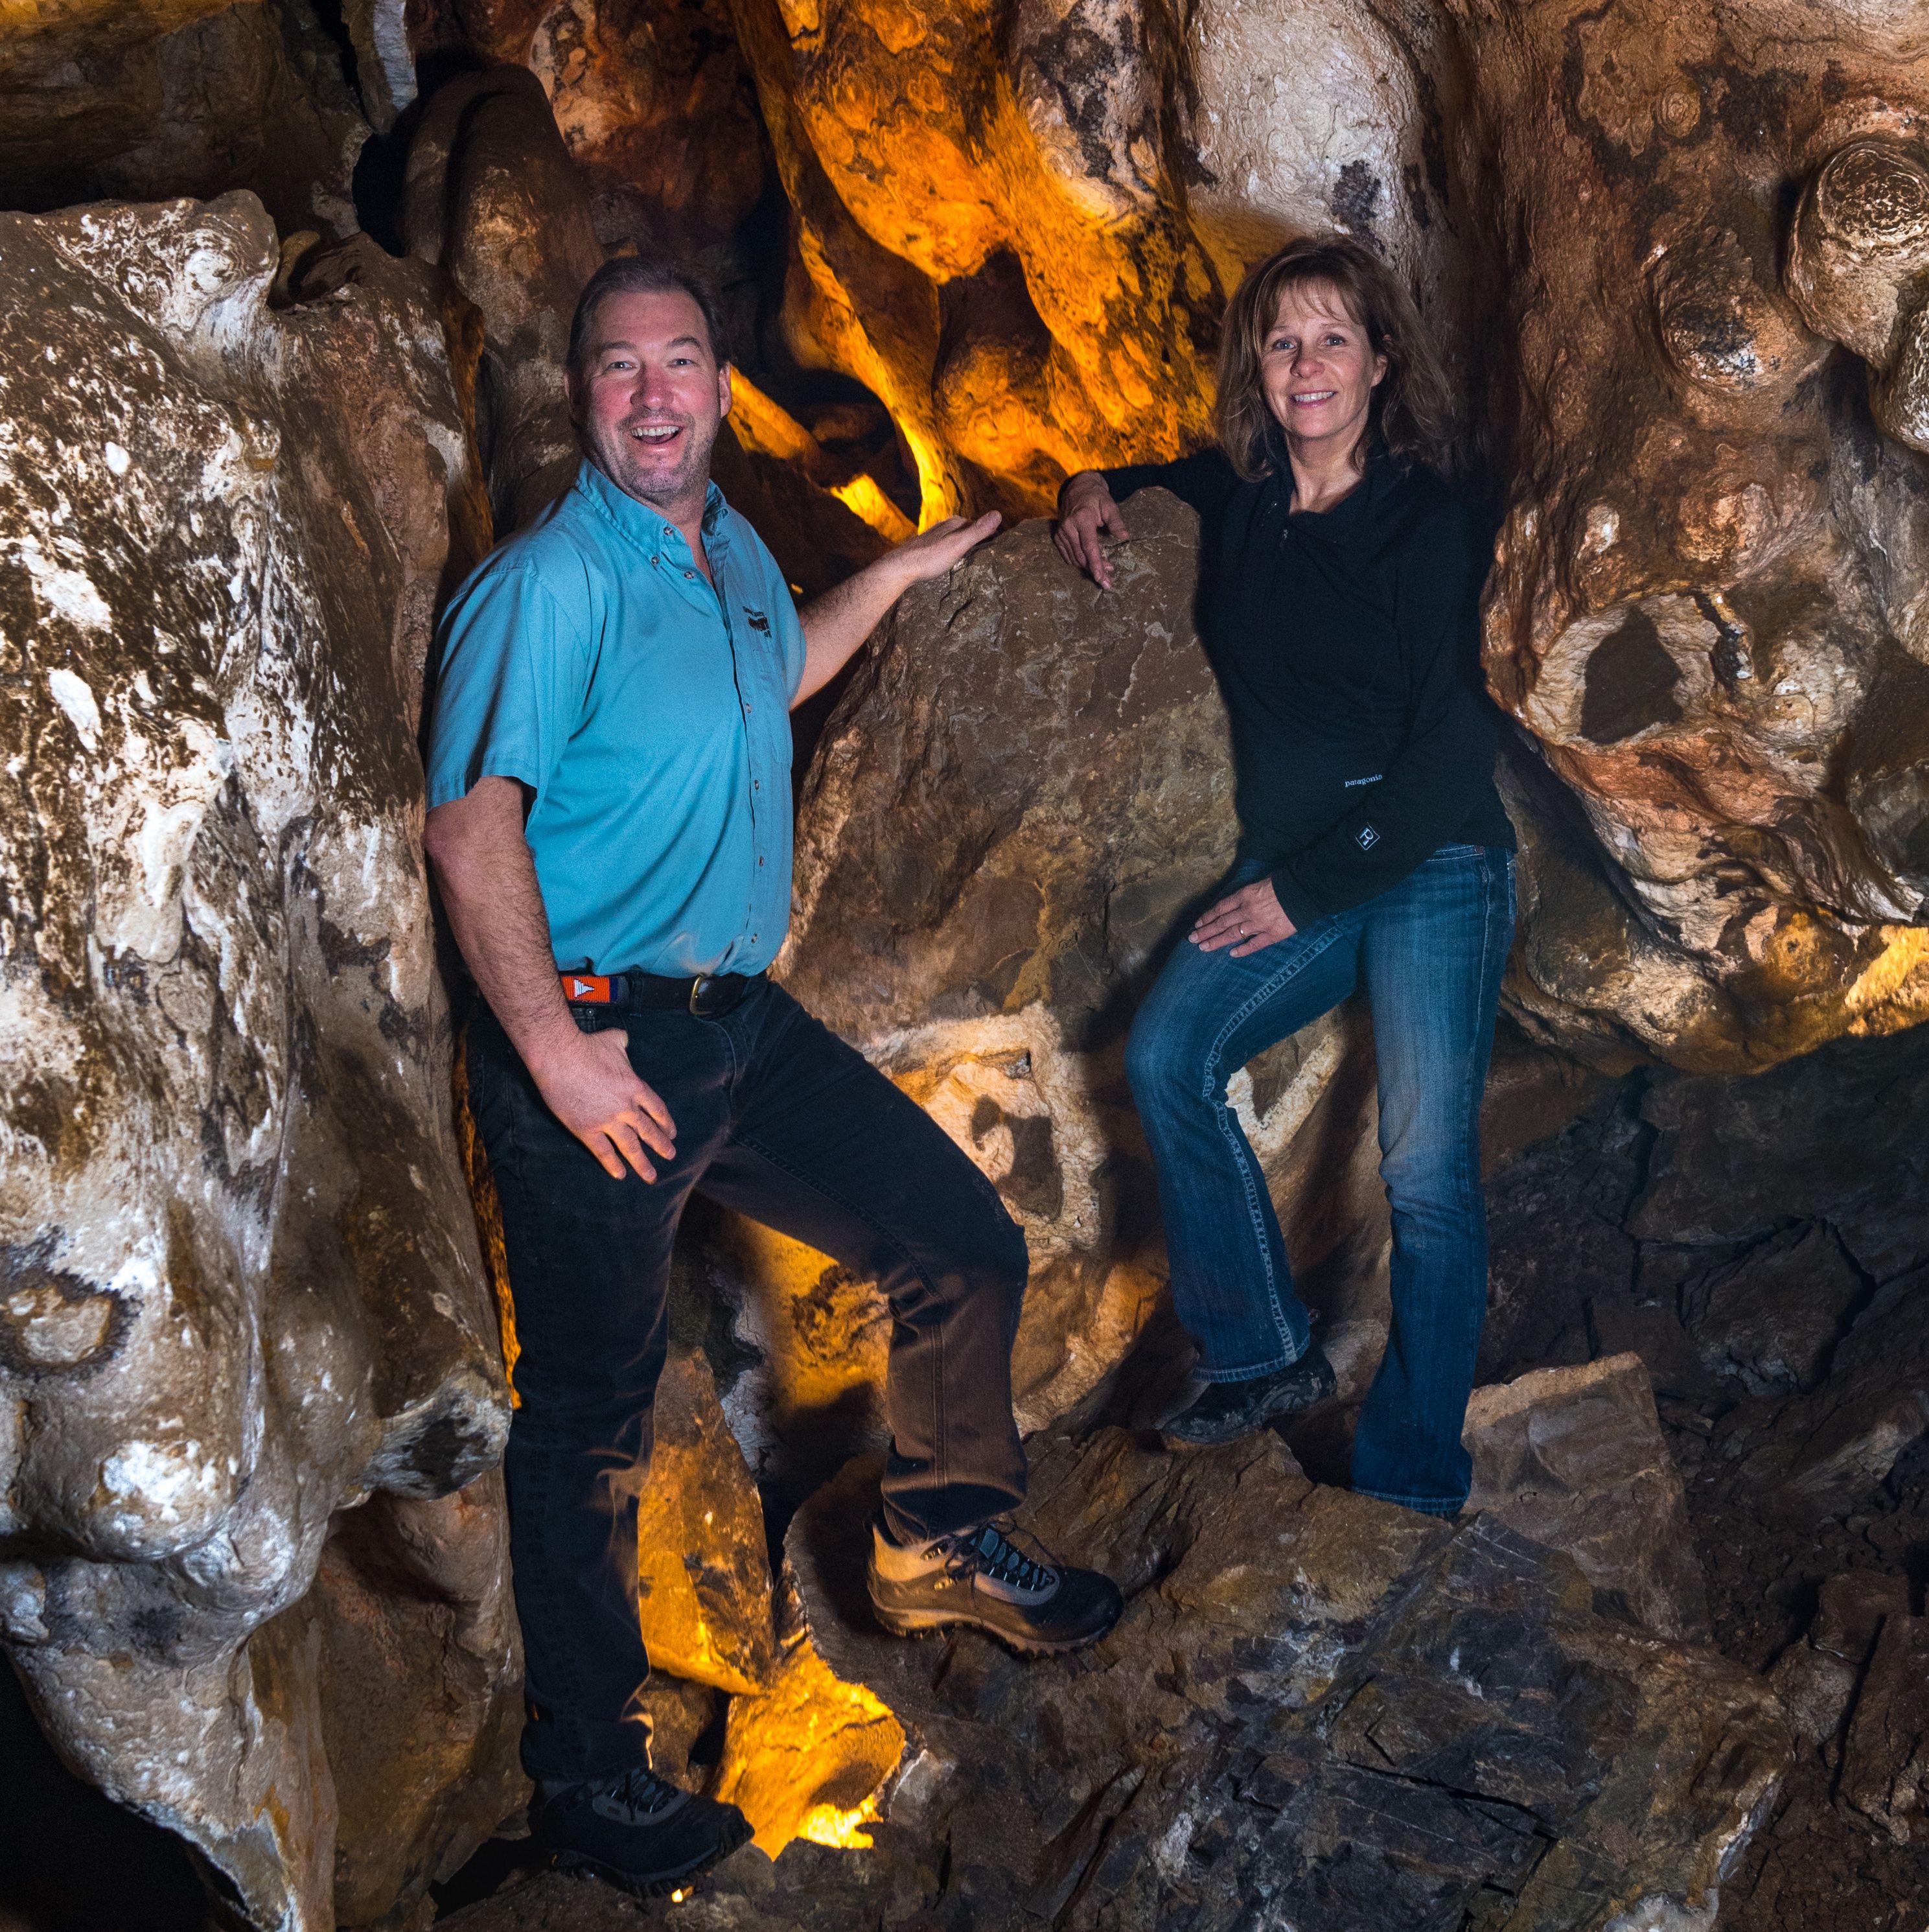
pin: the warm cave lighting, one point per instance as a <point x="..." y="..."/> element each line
<point x="843" y="1831"/>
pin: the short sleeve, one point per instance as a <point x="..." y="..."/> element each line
<point x="511" y="680"/>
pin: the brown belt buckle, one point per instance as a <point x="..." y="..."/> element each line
<point x="696" y="986"/>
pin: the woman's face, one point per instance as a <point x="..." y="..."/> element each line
<point x="1318" y="372"/>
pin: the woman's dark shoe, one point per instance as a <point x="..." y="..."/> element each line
<point x="980" y="1578"/>
<point x="633" y="1831"/>
<point x="1224" y="1410"/>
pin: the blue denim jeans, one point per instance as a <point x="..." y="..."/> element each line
<point x="1430" y="952"/>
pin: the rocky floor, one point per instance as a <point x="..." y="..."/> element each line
<point x="1699" y="1223"/>
<point x="1782" y="1324"/>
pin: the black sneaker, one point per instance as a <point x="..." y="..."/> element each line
<point x="1222" y="1411"/>
<point x="635" y="1831"/>
<point x="980" y="1578"/>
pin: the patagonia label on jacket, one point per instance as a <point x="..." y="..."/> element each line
<point x="1366" y="838"/>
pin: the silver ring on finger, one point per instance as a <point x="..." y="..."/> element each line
<point x="1242" y="932"/>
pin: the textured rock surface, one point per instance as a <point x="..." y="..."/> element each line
<point x="1024" y="788"/>
<point x="1707" y="608"/>
<point x="241" y="1293"/>
<point x="168" y="97"/>
<point x="1575" y="1458"/>
<point x="1017" y="226"/>
<point x="1318" y="1711"/>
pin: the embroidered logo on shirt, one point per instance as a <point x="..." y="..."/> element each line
<point x="758" y="621"/>
<point x="1374" y="778"/>
<point x="1366" y="838"/>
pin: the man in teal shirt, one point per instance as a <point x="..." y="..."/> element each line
<point x="610" y="824"/>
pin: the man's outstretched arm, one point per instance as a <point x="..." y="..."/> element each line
<point x="488" y="882"/>
<point x="837" y="623"/>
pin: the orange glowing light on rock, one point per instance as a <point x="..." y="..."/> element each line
<point x="765" y="427"/>
<point x="843" y="1831"/>
<point x="862" y="496"/>
<point x="807" y="1758"/>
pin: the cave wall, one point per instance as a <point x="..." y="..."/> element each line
<point x="250" y="1391"/>
<point x="1677" y="259"/>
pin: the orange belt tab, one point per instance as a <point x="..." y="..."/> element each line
<point x="585" y="989"/>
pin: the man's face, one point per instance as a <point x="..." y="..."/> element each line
<point x="650" y="396"/>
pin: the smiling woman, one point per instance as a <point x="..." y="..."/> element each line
<point x="1340" y="585"/>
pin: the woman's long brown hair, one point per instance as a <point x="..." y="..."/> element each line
<point x="1413" y="415"/>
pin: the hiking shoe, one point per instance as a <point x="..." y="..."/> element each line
<point x="635" y="1831"/>
<point x="1222" y="1411"/>
<point x="980" y="1578"/>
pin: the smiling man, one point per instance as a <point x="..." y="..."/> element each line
<point x="610" y="824"/>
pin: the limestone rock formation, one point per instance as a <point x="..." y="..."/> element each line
<point x="703" y="1583"/>
<point x="1707" y="608"/>
<point x="241" y="1303"/>
<point x="656" y="107"/>
<point x="1574" y="1458"/>
<point x="1885" y="1756"/>
<point x="492" y="196"/>
<point x="1024" y="788"/>
<point x="1023" y="250"/>
<point x="1317" y="1705"/>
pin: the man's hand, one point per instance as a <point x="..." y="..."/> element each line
<point x="933" y="552"/>
<point x="838" y="622"/>
<point x="1248" y="921"/>
<point x="488" y="880"/>
<point x="591" y="1087"/>
<point x="1086" y="513"/>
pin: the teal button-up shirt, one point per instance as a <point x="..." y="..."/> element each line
<point x="648" y="713"/>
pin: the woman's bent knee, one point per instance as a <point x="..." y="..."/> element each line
<point x="1155" y="1062"/>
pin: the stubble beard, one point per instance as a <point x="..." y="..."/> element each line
<point x="625" y="461"/>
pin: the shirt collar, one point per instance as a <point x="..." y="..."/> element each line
<point x="644" y="526"/>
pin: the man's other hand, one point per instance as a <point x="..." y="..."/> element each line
<point x="1087" y="514"/>
<point x="592" y="1089"/>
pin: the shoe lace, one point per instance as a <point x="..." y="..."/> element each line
<point x="989" y="1550"/>
<point x="643" y="1793"/>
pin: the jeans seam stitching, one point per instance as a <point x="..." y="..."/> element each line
<point x="1221" y="1109"/>
<point x="572" y="1688"/>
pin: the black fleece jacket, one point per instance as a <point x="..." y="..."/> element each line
<point x="1347" y="644"/>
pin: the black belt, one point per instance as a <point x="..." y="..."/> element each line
<point x="709" y="996"/>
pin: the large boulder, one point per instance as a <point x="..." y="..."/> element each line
<point x="1316" y="1704"/>
<point x="1025" y="788"/>
<point x="1574" y="1458"/>
<point x="1707" y="609"/>
<point x="250" y="1374"/>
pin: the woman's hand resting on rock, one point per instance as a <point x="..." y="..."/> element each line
<point x="1086" y="512"/>
<point x="1248" y="921"/>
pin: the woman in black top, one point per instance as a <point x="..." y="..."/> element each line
<point x="1340" y="579"/>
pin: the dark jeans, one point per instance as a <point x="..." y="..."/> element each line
<point x="1431" y="951"/>
<point x="777" y="1119"/>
